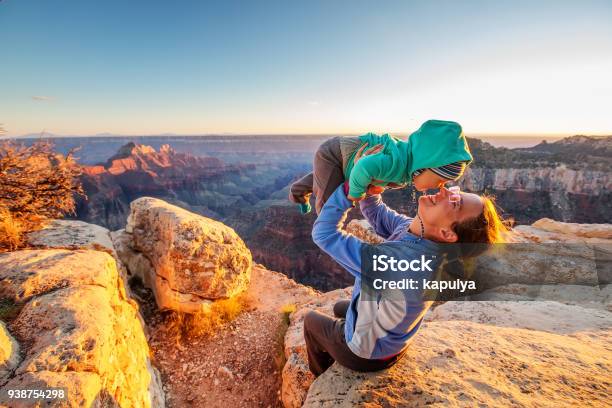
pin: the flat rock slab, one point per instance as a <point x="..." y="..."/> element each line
<point x="546" y="316"/>
<point x="602" y="231"/>
<point x="72" y="234"/>
<point x="459" y="363"/>
<point x="28" y="273"/>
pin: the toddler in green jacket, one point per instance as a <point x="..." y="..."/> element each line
<point x="433" y="155"/>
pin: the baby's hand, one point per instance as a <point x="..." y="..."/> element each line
<point x="370" y="191"/>
<point x="375" y="190"/>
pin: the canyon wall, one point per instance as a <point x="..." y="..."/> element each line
<point x="568" y="180"/>
<point x="205" y="185"/>
<point x="558" y="192"/>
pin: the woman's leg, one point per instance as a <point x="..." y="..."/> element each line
<point x="340" y="308"/>
<point x="325" y="343"/>
<point x="318" y="333"/>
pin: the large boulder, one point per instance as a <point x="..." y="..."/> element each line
<point x="80" y="330"/>
<point x="469" y="354"/>
<point x="193" y="260"/>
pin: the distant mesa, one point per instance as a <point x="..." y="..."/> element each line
<point x="130" y="149"/>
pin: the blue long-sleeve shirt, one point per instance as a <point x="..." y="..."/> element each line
<point x="373" y="330"/>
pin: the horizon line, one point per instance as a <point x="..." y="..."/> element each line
<point x="322" y="134"/>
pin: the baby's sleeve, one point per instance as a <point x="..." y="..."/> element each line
<point x="366" y="169"/>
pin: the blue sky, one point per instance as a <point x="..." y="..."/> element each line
<point x="194" y="67"/>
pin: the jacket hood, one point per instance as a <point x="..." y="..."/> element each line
<point x="437" y="143"/>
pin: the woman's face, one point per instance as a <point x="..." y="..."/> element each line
<point x="428" y="180"/>
<point x="439" y="214"/>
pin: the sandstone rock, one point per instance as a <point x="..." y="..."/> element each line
<point x="531" y="233"/>
<point x="470" y="354"/>
<point x="528" y="263"/>
<point x="195" y="259"/>
<point x="77" y="322"/>
<point x="603" y="231"/>
<point x="548" y="316"/>
<point x="550" y="252"/>
<point x="592" y="297"/>
<point x="28" y="273"/>
<point x="136" y="263"/>
<point x="459" y="363"/>
<point x="364" y="231"/>
<point x="548" y="178"/>
<point x="9" y="354"/>
<point x="67" y="330"/>
<point x="296" y="375"/>
<point x="72" y="234"/>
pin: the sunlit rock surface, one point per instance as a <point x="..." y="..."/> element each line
<point x="9" y="354"/>
<point x="77" y="329"/>
<point x="463" y="363"/>
<point x="71" y="234"/>
<point x="194" y="259"/>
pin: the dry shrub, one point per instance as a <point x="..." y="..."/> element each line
<point x="11" y="231"/>
<point x="286" y="311"/>
<point x="221" y="312"/>
<point x="279" y="354"/>
<point x="36" y="183"/>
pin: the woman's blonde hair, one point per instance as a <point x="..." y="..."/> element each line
<point x="487" y="228"/>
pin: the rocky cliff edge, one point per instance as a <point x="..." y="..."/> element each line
<point x="69" y="322"/>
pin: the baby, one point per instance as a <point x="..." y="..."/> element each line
<point x="432" y="156"/>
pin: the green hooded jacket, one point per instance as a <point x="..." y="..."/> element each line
<point x="436" y="143"/>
